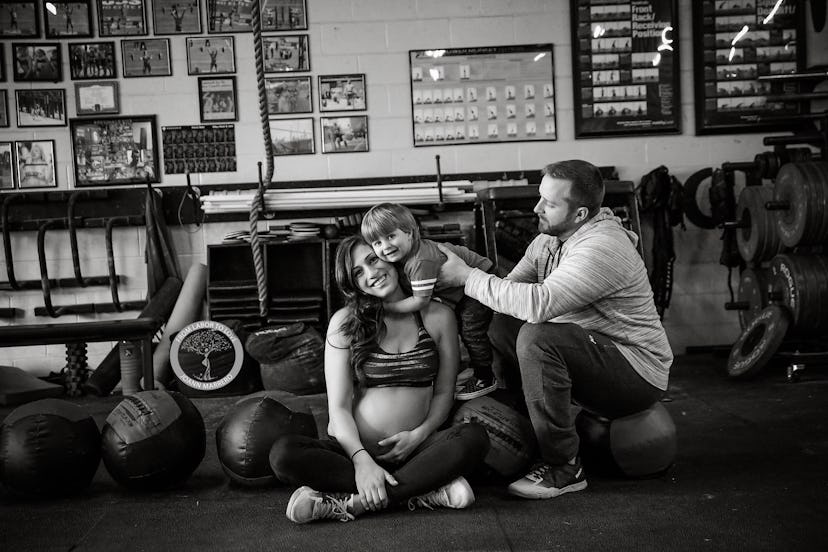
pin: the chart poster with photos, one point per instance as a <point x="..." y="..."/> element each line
<point x="483" y="95"/>
<point x="199" y="149"/>
<point x="626" y="67"/>
<point x="742" y="51"/>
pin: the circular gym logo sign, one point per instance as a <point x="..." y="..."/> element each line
<point x="206" y="355"/>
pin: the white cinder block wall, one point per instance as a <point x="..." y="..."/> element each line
<point x="373" y="37"/>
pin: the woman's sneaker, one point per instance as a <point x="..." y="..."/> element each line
<point x="457" y="494"/>
<point x="306" y="505"/>
<point x="474" y="388"/>
<point x="547" y="481"/>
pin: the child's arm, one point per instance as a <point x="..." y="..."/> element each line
<point x="409" y="304"/>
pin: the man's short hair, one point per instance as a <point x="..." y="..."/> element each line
<point x="587" y="182"/>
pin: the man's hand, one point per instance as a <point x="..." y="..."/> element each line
<point x="454" y="272"/>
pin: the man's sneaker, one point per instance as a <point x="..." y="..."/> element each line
<point x="457" y="494"/>
<point x="306" y="505"/>
<point x="474" y="388"/>
<point x="546" y="481"/>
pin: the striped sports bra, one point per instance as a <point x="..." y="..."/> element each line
<point x="415" y="368"/>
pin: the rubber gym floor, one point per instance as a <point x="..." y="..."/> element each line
<point x="750" y="474"/>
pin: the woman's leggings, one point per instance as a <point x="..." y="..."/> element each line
<point x="324" y="466"/>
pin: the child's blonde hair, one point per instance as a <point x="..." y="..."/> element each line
<point x="384" y="218"/>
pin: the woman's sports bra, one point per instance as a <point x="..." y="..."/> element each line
<point x="415" y="368"/>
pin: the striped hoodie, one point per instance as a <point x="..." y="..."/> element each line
<point x="595" y="279"/>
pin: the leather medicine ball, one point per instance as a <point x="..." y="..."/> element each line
<point x="247" y="432"/>
<point x="49" y="447"/>
<point x="153" y="440"/>
<point x="638" y="445"/>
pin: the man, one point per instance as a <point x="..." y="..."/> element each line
<point x="577" y="318"/>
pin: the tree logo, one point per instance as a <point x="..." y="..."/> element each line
<point x="206" y="355"/>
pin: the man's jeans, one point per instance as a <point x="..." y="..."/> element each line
<point x="556" y="365"/>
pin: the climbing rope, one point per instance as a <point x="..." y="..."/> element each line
<point x="258" y="200"/>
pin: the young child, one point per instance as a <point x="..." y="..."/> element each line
<point x="394" y="235"/>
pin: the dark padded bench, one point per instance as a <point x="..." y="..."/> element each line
<point x="137" y="329"/>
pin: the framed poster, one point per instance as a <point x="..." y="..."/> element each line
<point x="37" y="62"/>
<point x="2" y="62"/>
<point x="344" y="134"/>
<point x="342" y="93"/>
<point x="4" y="109"/>
<point x="286" y="53"/>
<point x="288" y="95"/>
<point x="148" y="57"/>
<point x="41" y="107"/>
<point x="67" y="18"/>
<point x="217" y="99"/>
<point x="214" y="54"/>
<point x="97" y="98"/>
<point x="740" y="51"/>
<point x="114" y="150"/>
<point x="122" y="18"/>
<point x="18" y="19"/>
<point x="199" y="149"/>
<point x="284" y="15"/>
<point x="92" y="60"/>
<point x="229" y="16"/>
<point x="625" y="59"/>
<point x="292" y="136"/>
<point x="35" y="164"/>
<point x="485" y="94"/>
<point x="172" y="17"/>
<point x="6" y="168"/>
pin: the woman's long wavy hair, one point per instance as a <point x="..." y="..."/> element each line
<point x="365" y="325"/>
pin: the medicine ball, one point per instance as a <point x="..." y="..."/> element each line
<point x="513" y="444"/>
<point x="247" y="432"/>
<point x="291" y="358"/>
<point x="638" y="445"/>
<point x="153" y="440"/>
<point x="49" y="447"/>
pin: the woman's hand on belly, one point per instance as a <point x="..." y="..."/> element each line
<point x="401" y="444"/>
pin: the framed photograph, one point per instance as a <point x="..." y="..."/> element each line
<point x="35" y="164"/>
<point x="217" y="99"/>
<point x="6" y="166"/>
<point x="626" y="68"/>
<point x="19" y="20"/>
<point x="288" y="95"/>
<point x="92" y="60"/>
<point x="229" y="16"/>
<point x="743" y="54"/>
<point x="199" y="149"/>
<point x="115" y="150"/>
<point x="286" y="53"/>
<point x="211" y="55"/>
<point x="292" y="136"/>
<point x="97" y="98"/>
<point x="342" y="93"/>
<point x="172" y="17"/>
<point x="284" y="15"/>
<point x="344" y="134"/>
<point x="4" y="109"/>
<point x="37" y="62"/>
<point x="67" y="18"/>
<point x="41" y="107"/>
<point x="3" y="62"/>
<point x="147" y="57"/>
<point x="485" y="94"/>
<point x="122" y="18"/>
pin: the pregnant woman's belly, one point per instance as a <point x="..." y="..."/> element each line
<point x="383" y="411"/>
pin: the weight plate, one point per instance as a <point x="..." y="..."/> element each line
<point x="753" y="290"/>
<point x="758" y="343"/>
<point x="791" y="186"/>
<point x="696" y="199"/>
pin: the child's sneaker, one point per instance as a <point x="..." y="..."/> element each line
<point x="306" y="505"/>
<point x="474" y="388"/>
<point x="457" y="494"/>
<point x="547" y="481"/>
